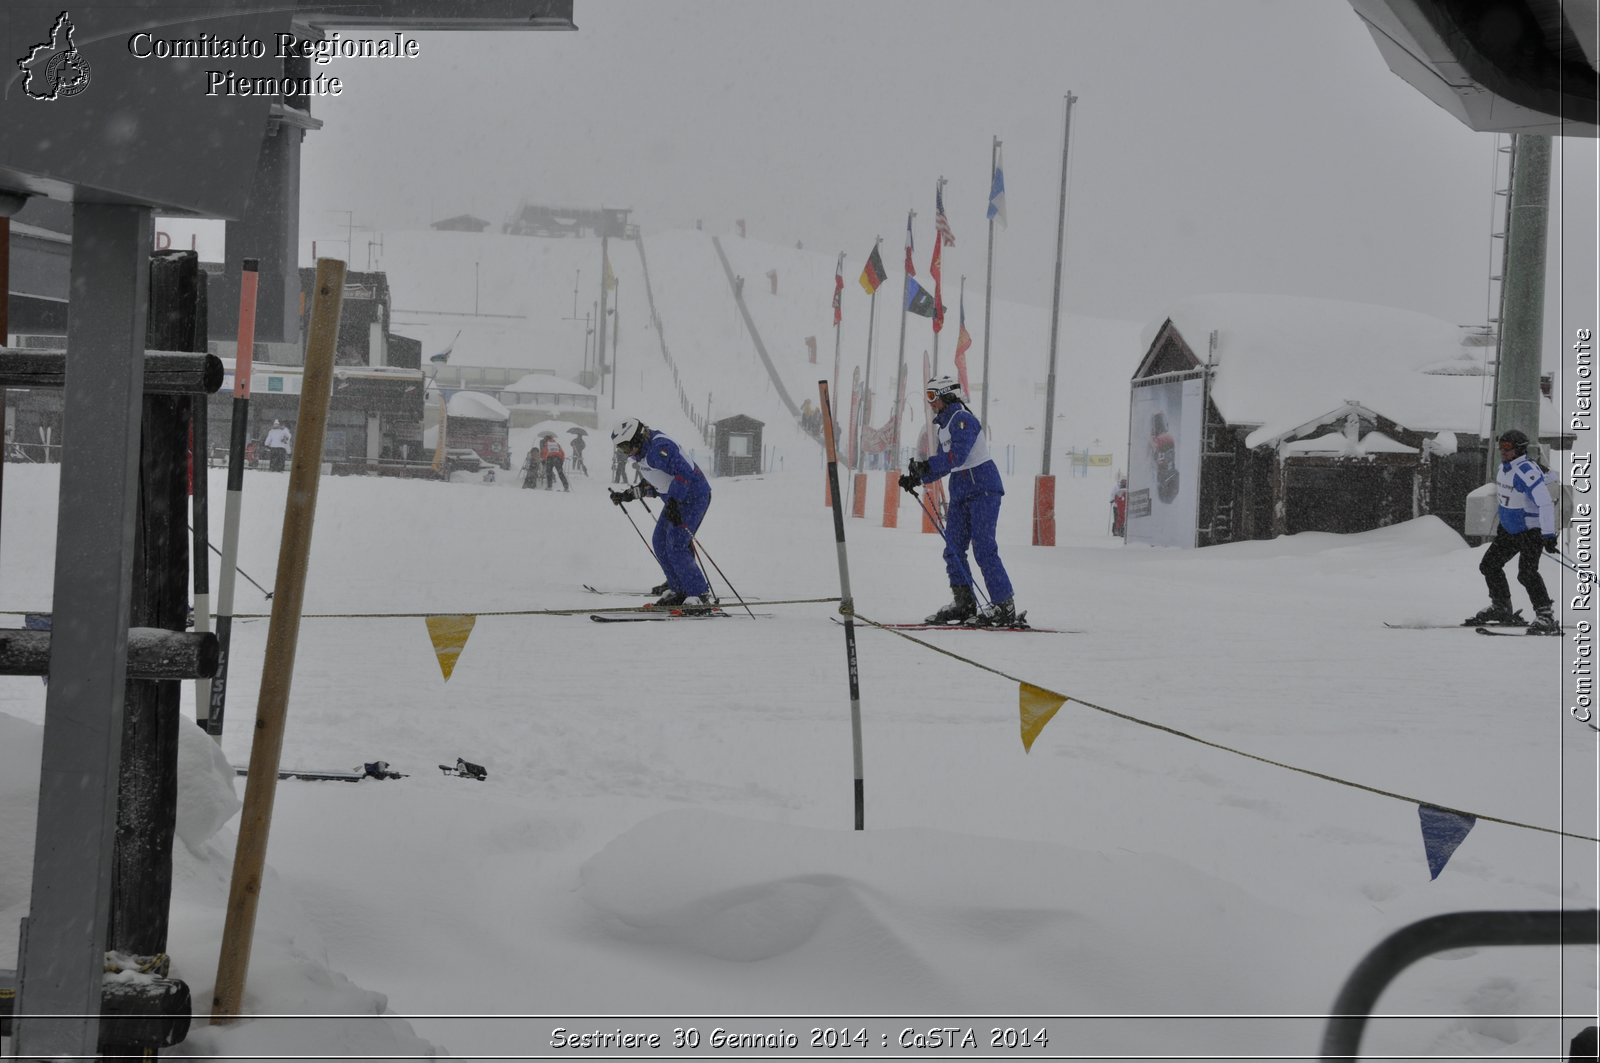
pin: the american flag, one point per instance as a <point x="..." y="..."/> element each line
<point x="940" y="222"/>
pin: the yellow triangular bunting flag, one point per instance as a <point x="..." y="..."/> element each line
<point x="449" y="634"/>
<point x="1038" y="705"/>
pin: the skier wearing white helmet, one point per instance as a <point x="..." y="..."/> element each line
<point x="665" y="471"/>
<point x="975" y="493"/>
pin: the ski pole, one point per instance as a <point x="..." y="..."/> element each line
<point x="239" y="570"/>
<point x="702" y="550"/>
<point x="1567" y="563"/>
<point x="939" y="525"/>
<point x="639" y="533"/>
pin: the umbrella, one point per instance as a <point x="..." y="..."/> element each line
<point x="576" y="432"/>
<point x="547" y="435"/>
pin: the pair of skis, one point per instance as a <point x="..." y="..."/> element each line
<point x="1513" y="628"/>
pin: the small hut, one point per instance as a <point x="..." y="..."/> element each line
<point x="738" y="446"/>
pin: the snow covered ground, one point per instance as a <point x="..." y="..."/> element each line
<point x="666" y="828"/>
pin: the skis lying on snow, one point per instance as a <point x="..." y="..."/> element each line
<point x="378" y="769"/>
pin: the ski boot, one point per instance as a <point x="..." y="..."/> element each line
<point x="697" y="605"/>
<point x="1544" y="621"/>
<point x="659" y="588"/>
<point x="999" y="614"/>
<point x="1497" y="613"/>
<point x="963" y="607"/>
<point x="670" y="600"/>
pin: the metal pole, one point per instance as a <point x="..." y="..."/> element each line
<point x="616" y="330"/>
<point x="1055" y="301"/>
<point x="209" y="707"/>
<point x="62" y="953"/>
<point x="837" y="328"/>
<point x="847" y="606"/>
<point x="863" y="417"/>
<point x="900" y="366"/>
<point x="988" y="294"/>
<point x="1522" y="326"/>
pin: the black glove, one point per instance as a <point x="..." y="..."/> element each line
<point x="918" y="468"/>
<point x="909" y="482"/>
<point x="670" y="513"/>
<point x="1550" y="546"/>
<point x="619" y="497"/>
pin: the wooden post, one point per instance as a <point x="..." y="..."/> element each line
<point x="255" y="819"/>
<point x="147" y="785"/>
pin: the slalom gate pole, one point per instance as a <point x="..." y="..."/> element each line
<point x="847" y="605"/>
<point x="213" y="692"/>
<point x="939" y="526"/>
<point x="283" y="632"/>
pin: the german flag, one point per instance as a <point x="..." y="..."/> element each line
<point x="873" y="274"/>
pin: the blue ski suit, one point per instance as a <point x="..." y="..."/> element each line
<point x="667" y="472"/>
<point x="975" y="493"/>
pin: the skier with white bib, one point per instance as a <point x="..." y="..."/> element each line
<point x="665" y="471"/>
<point x="1527" y="527"/>
<point x="975" y="493"/>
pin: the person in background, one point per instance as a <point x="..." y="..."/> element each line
<point x="1119" y="508"/>
<point x="577" y="456"/>
<point x="278" y="442"/>
<point x="1527" y="528"/>
<point x="666" y="472"/>
<point x="554" y="458"/>
<point x="975" y="493"/>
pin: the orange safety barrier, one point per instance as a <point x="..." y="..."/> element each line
<point x="891" y="499"/>
<point x="859" y="500"/>
<point x="932" y="502"/>
<point x="1044" y="511"/>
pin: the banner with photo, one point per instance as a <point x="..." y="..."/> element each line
<point x="1166" y="422"/>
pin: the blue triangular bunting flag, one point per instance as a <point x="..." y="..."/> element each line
<point x="1442" y="832"/>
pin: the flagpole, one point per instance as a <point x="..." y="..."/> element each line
<point x="600" y="337"/>
<point x="988" y="289"/>
<point x="900" y="378"/>
<point x="866" y="377"/>
<point x="838" y="289"/>
<point x="1055" y="301"/>
<point x="938" y="240"/>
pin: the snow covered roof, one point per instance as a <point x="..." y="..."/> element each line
<point x="548" y="382"/>
<point x="1285" y="360"/>
<point x="476" y="404"/>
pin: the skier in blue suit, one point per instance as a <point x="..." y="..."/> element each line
<point x="975" y="493"/>
<point x="1527" y="527"/>
<point x="665" y="471"/>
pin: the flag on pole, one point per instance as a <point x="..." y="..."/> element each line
<point x="838" y="289"/>
<point x="918" y="299"/>
<point x="610" y="278"/>
<point x="873" y="273"/>
<point x="940" y="222"/>
<point x="963" y="341"/>
<point x="997" y="192"/>
<point x="911" y="269"/>
<point x="935" y="267"/>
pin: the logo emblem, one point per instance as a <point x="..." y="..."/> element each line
<point x="55" y="69"/>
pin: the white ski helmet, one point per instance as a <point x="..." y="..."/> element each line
<point x="628" y="434"/>
<point x="945" y="387"/>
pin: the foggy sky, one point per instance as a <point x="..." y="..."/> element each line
<point x="1217" y="145"/>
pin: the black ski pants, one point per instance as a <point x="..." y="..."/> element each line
<point x="1526" y="546"/>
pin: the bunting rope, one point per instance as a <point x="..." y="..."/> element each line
<point x="477" y="612"/>
<point x="1230" y="749"/>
